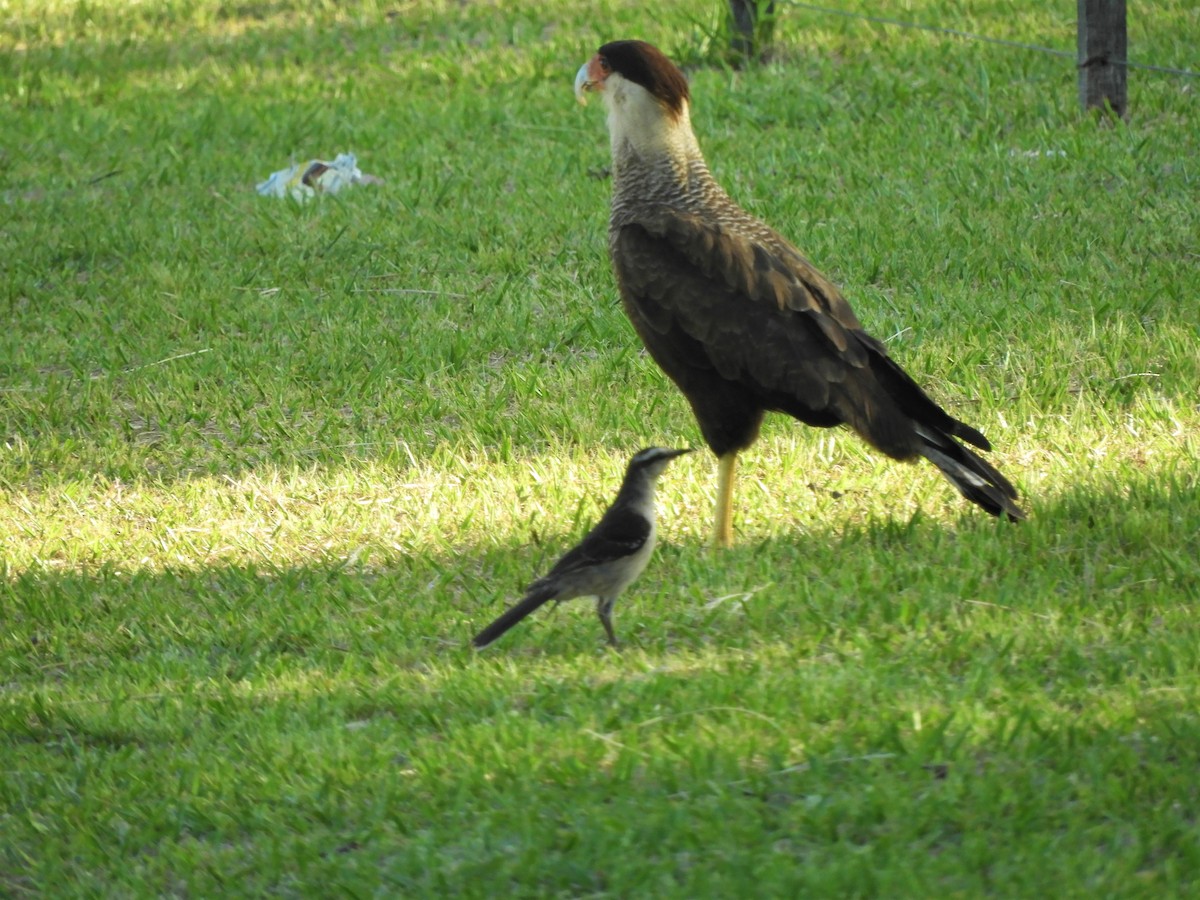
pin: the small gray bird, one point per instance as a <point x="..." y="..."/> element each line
<point x="610" y="556"/>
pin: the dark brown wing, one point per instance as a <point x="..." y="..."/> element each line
<point x="766" y="318"/>
<point x="763" y="320"/>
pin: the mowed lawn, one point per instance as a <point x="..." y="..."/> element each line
<point x="265" y="467"/>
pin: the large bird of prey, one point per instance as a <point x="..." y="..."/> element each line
<point x="734" y="314"/>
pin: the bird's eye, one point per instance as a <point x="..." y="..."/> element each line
<point x="603" y="60"/>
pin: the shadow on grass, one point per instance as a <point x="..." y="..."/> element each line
<point x="898" y="684"/>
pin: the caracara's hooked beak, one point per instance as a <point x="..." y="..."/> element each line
<point x="590" y="77"/>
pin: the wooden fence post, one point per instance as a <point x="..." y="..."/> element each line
<point x="752" y="28"/>
<point x="1102" y="50"/>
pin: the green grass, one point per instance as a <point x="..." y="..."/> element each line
<point x="264" y="468"/>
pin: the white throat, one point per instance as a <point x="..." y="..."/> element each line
<point x="642" y="131"/>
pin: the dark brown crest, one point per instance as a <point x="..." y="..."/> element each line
<point x="648" y="66"/>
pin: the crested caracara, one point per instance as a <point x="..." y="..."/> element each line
<point x="734" y="314"/>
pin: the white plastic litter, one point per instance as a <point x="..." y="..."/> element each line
<point x="316" y="176"/>
<point x="1038" y="154"/>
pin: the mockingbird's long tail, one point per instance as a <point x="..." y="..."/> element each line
<point x="538" y="595"/>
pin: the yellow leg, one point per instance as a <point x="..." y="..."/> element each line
<point x="723" y="532"/>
